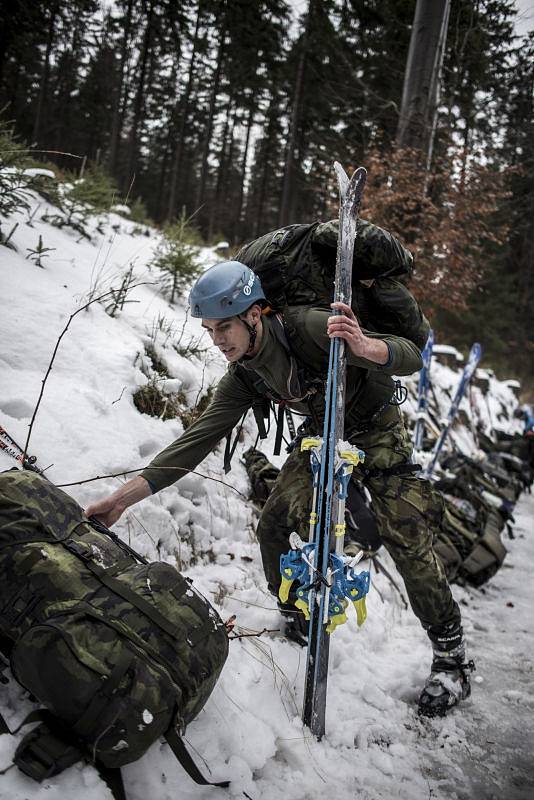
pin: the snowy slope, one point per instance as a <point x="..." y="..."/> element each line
<point x="250" y="730"/>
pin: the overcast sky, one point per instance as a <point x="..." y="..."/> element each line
<point x="524" y="22"/>
<point x="525" y="16"/>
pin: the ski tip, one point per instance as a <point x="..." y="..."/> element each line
<point x="350" y="188"/>
<point x="342" y="178"/>
<point x="358" y="180"/>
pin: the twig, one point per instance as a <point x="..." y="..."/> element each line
<point x="119" y="397"/>
<point x="48" y="371"/>
<point x="256" y="633"/>
<point x="53" y="152"/>
<point x="139" y="469"/>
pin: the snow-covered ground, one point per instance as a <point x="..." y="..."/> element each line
<point x="250" y="730"/>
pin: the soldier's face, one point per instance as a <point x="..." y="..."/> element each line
<point x="229" y="335"/>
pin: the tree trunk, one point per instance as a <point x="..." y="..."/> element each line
<point x="239" y="209"/>
<point x="139" y="95"/>
<point x="201" y="193"/>
<point x="288" y="189"/>
<point x="223" y="160"/>
<point x="265" y="166"/>
<point x="46" y="74"/>
<point x="179" y="149"/>
<point x="420" y="92"/>
<point x="116" y="123"/>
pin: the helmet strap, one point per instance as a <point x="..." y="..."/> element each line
<point x="252" y="333"/>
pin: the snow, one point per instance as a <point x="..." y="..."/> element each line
<point x="35" y="172"/>
<point x="250" y="730"/>
<point x="447" y="350"/>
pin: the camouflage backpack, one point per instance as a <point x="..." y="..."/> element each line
<point x="296" y="265"/>
<point x="118" y="650"/>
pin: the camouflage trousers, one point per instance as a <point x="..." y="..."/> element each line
<point x="407" y="510"/>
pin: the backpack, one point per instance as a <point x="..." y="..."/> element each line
<point x="118" y="650"/>
<point x="296" y="265"/>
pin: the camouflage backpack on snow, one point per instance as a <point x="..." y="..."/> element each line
<point x="118" y="650"/>
<point x="296" y="265"/>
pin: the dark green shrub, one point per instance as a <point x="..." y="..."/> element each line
<point x="176" y="256"/>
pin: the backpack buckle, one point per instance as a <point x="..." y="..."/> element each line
<point x="79" y="549"/>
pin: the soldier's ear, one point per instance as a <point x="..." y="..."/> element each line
<point x="254" y="313"/>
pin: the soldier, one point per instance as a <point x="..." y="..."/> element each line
<point x="287" y="360"/>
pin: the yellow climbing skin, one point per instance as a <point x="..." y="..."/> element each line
<point x="338" y="617"/>
<point x="361" y="611"/>
<point x="352" y="457"/>
<point x="309" y="442"/>
<point x="285" y="585"/>
<point x="303" y="606"/>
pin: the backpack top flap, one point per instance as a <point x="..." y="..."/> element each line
<point x="296" y="264"/>
<point x="275" y="255"/>
<point x="377" y="253"/>
<point x="30" y="504"/>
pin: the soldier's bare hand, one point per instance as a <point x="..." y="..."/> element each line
<point x="110" y="509"/>
<point x="346" y="326"/>
<point x="107" y="511"/>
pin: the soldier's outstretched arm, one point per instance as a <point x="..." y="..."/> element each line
<point x="231" y="400"/>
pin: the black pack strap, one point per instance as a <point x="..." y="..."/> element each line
<point x="85" y="724"/>
<point x="262" y="412"/>
<point x="40" y="715"/>
<point x="229" y="450"/>
<point x="290" y="423"/>
<point x="113" y="778"/>
<point x="400" y="469"/>
<point x="4" y="728"/>
<point x="179" y="749"/>
<point x="101" y="528"/>
<point x="279" y="429"/>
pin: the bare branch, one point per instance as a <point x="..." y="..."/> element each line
<point x="48" y="371"/>
<point x="139" y="469"/>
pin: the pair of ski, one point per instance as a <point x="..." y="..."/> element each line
<point x="422" y="402"/>
<point x="326" y="580"/>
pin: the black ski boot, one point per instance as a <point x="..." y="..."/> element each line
<point x="449" y="680"/>
<point x="295" y="624"/>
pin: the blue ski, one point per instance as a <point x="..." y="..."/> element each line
<point x="467" y="374"/>
<point x="328" y="581"/>
<point x="422" y="395"/>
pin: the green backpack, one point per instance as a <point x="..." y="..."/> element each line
<point x="296" y="265"/>
<point x="118" y="650"/>
<point x="470" y="548"/>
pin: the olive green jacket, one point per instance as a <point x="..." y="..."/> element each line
<point x="369" y="388"/>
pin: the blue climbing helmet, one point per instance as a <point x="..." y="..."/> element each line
<point x="227" y="289"/>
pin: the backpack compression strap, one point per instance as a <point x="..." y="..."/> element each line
<point x="179" y="749"/>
